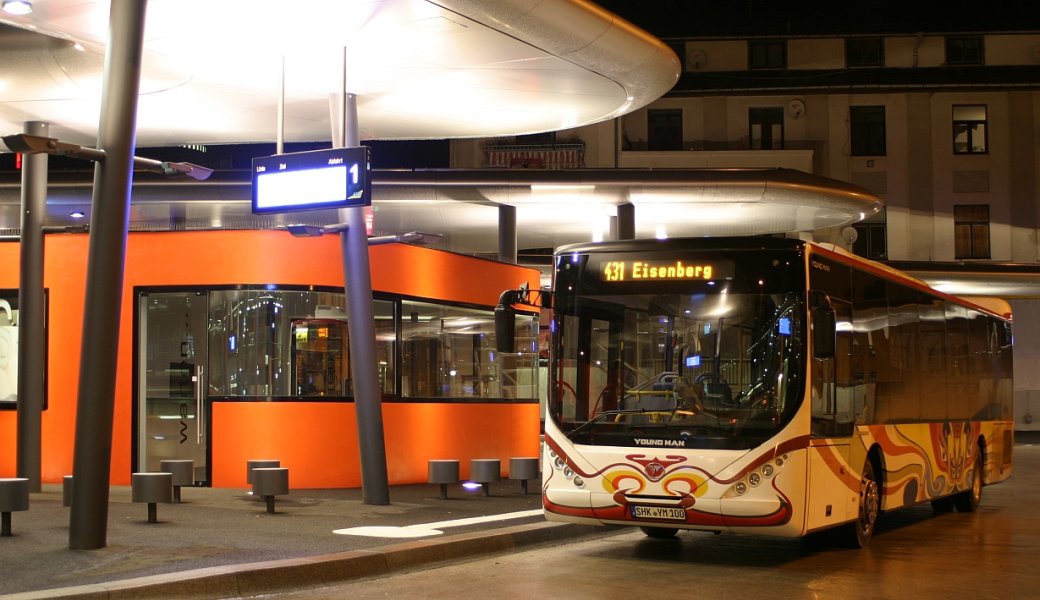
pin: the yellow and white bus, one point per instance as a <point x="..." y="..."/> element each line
<point x="766" y="385"/>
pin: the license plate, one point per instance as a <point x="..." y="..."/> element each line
<point x="658" y="512"/>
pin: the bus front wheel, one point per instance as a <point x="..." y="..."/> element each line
<point x="869" y="507"/>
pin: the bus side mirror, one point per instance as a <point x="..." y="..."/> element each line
<point x="505" y="328"/>
<point x="823" y="324"/>
<point x="505" y="321"/>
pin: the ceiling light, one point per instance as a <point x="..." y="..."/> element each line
<point x="77" y="214"/>
<point x="17" y="7"/>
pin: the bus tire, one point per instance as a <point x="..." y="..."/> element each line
<point x="869" y="508"/>
<point x="969" y="500"/>
<point x="660" y="533"/>
<point x="943" y="505"/>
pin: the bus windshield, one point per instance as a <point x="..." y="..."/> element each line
<point x="677" y="348"/>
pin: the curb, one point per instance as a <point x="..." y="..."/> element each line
<point x="252" y="579"/>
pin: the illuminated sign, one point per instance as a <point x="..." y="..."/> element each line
<point x="658" y="270"/>
<point x="335" y="178"/>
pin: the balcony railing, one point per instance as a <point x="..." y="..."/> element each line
<point x="535" y="156"/>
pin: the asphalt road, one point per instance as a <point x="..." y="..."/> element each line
<point x="916" y="554"/>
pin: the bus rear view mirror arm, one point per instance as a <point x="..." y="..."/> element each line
<point x="505" y="314"/>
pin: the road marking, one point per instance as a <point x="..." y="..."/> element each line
<point x="431" y="529"/>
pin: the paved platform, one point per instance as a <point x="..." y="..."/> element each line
<point x="222" y="543"/>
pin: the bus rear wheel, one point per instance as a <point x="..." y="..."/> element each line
<point x="660" y="533"/>
<point x="869" y="508"/>
<point x="969" y="500"/>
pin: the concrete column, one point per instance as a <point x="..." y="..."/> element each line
<point x="32" y="347"/>
<point x="88" y="521"/>
<point x="507" y="234"/>
<point x="626" y="221"/>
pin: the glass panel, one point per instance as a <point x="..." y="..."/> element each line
<point x="713" y="360"/>
<point x="978" y="137"/>
<point x="172" y="397"/>
<point x="448" y="352"/>
<point x="969" y="113"/>
<point x="262" y="344"/>
<point x="867" y="129"/>
<point x="664" y="129"/>
<point x="386" y="346"/>
<point x="864" y="52"/>
<point x="961" y="138"/>
<point x="320" y="357"/>
<point x="756" y="136"/>
<point x="251" y="340"/>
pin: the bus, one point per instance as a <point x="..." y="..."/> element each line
<point x="765" y="385"/>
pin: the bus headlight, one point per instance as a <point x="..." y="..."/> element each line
<point x="767" y="470"/>
<point x="754" y="479"/>
<point x="578" y="481"/>
<point x="740" y="488"/>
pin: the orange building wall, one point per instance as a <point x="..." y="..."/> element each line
<point x="318" y="441"/>
<point x="268" y="257"/>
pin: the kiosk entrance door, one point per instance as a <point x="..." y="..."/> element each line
<point x="172" y="359"/>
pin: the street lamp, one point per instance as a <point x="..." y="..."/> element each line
<point x="37" y="144"/>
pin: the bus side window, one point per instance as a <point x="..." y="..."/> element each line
<point x="832" y="413"/>
<point x="822" y="369"/>
<point x="823" y="324"/>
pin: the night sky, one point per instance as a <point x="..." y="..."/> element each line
<point x="684" y="18"/>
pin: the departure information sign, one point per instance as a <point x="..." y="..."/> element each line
<point x="320" y="179"/>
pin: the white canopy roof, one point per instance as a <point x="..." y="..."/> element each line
<point x="420" y="68"/>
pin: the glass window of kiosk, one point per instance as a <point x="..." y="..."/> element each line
<point x="449" y="352"/>
<point x="287" y="343"/>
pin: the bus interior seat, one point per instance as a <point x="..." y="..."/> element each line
<point x="716" y="392"/>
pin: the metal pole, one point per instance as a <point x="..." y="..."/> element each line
<point x="626" y="221"/>
<point x="357" y="280"/>
<point x="280" y="139"/>
<point x="32" y="348"/>
<point x="507" y="234"/>
<point x="88" y="521"/>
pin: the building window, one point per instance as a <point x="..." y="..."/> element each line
<point x="962" y="51"/>
<point x="971" y="231"/>
<point x="867" y="130"/>
<point x="664" y="129"/>
<point x="969" y="130"/>
<point x="767" y="54"/>
<point x="766" y="128"/>
<point x="871" y="241"/>
<point x="864" y="52"/>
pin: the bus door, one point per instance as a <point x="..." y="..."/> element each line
<point x="591" y="384"/>
<point x="830" y="500"/>
<point x="172" y="404"/>
<point x="599" y="371"/>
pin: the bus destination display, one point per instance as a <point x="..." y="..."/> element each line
<point x="320" y="179"/>
<point x="615" y="269"/>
